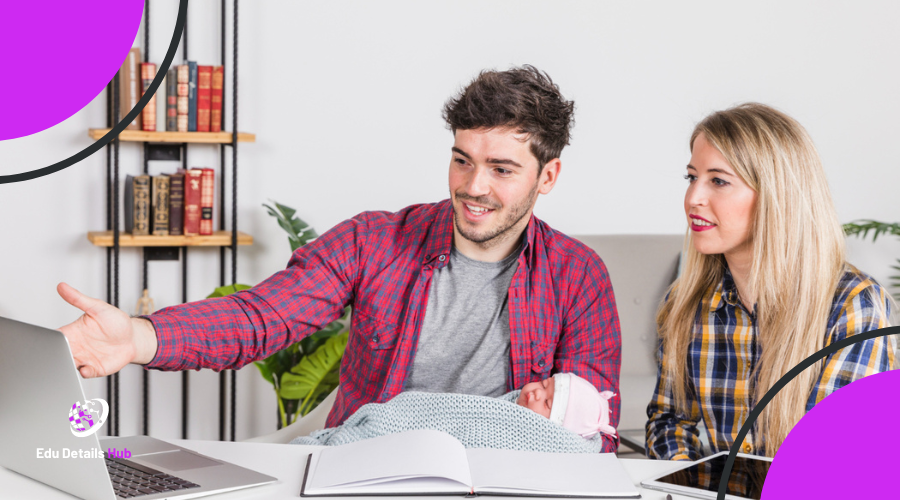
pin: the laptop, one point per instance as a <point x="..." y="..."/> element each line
<point x="48" y="431"/>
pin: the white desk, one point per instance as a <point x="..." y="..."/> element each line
<point x="286" y="462"/>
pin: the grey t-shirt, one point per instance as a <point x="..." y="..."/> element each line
<point x="464" y="342"/>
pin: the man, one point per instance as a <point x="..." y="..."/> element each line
<point x="471" y="295"/>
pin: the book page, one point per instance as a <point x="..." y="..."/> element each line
<point x="398" y="463"/>
<point x="549" y="474"/>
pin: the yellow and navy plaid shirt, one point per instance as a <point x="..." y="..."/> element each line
<point x="724" y="352"/>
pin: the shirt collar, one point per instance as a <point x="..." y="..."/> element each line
<point x="440" y="239"/>
<point x="728" y="291"/>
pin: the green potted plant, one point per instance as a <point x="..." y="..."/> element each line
<point x="862" y="228"/>
<point x="304" y="373"/>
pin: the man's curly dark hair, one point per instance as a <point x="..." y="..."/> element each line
<point x="522" y="98"/>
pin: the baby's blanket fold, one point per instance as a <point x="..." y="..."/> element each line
<point x="476" y="421"/>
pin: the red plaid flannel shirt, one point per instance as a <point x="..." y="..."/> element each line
<point x="562" y="312"/>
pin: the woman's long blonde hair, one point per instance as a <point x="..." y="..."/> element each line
<point x="798" y="258"/>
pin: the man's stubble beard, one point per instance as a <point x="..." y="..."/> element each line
<point x="501" y="233"/>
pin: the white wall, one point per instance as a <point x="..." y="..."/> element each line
<point x="345" y="99"/>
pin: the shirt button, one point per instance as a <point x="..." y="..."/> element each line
<point x="747" y="448"/>
<point x="541" y="363"/>
<point x="442" y="258"/>
<point x="374" y="338"/>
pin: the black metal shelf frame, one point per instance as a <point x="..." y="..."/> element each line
<point x="177" y="152"/>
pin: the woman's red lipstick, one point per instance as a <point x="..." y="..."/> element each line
<point x="698" y="227"/>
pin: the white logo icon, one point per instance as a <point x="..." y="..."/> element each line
<point x="87" y="418"/>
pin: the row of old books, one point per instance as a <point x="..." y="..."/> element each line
<point x="193" y="95"/>
<point x="170" y="204"/>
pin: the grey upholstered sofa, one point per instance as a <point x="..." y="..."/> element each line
<point x="641" y="268"/>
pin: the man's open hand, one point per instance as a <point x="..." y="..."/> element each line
<point x="104" y="339"/>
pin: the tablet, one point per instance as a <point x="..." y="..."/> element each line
<point x="701" y="479"/>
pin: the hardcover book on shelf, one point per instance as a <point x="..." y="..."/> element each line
<point x="140" y="206"/>
<point x="207" y="193"/>
<point x="148" y="114"/>
<point x="192" y="181"/>
<point x="128" y="213"/>
<point x="182" y="107"/>
<point x="427" y="462"/>
<point x="204" y="91"/>
<point x="172" y="100"/>
<point x="215" y="115"/>
<point x="176" y="204"/>
<point x="130" y="87"/>
<point x="192" y="96"/>
<point x="159" y="205"/>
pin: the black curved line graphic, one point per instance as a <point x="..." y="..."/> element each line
<point x="783" y="381"/>
<point x="114" y="132"/>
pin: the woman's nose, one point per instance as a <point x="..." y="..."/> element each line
<point x="695" y="196"/>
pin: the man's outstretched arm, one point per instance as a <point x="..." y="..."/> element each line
<point x="226" y="332"/>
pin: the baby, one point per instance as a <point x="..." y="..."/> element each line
<point x="570" y="401"/>
<point x="570" y="424"/>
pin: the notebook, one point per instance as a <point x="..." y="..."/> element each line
<point x="426" y="462"/>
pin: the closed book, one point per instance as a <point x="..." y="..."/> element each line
<point x="159" y="205"/>
<point x="148" y="115"/>
<point x="215" y="115"/>
<point x="192" y="96"/>
<point x="129" y="204"/>
<point x="130" y="87"/>
<point x="207" y="193"/>
<point x="172" y="100"/>
<point x="204" y="94"/>
<point x="141" y="205"/>
<point x="181" y="103"/>
<point x="176" y="204"/>
<point x="192" y="201"/>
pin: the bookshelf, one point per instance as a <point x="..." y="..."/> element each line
<point x="174" y="137"/>
<point x="217" y="239"/>
<point x="173" y="146"/>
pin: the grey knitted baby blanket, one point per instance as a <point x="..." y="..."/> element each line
<point x="476" y="421"/>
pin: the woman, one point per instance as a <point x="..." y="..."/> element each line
<point x="764" y="286"/>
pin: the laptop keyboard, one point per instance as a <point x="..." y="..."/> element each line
<point x="130" y="479"/>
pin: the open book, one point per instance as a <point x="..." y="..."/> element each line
<point x="425" y="462"/>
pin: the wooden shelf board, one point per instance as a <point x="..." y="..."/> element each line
<point x="179" y="137"/>
<point x="217" y="239"/>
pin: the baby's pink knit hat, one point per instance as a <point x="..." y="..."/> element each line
<point x="579" y="407"/>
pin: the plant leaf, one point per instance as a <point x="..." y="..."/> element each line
<point x="861" y="228"/>
<point x="298" y="225"/>
<point x="294" y="386"/>
<point x="320" y="370"/>
<point x="286" y="210"/>
<point x="222" y="291"/>
<point x="265" y="372"/>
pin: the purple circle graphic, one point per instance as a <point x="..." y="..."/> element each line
<point x="57" y="56"/>
<point x="845" y="447"/>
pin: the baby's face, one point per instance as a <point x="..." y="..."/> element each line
<point x="538" y="396"/>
